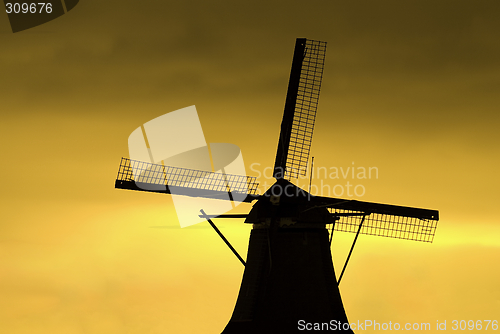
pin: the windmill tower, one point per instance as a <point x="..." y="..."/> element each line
<point x="289" y="275"/>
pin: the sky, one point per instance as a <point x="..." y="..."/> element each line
<point x="411" y="88"/>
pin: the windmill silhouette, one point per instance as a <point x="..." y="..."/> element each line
<point x="289" y="275"/>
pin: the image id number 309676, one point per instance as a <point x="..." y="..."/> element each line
<point x="32" y="8"/>
<point x="474" y="325"/>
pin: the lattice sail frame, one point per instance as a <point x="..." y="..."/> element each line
<point x="146" y="173"/>
<point x="305" y="109"/>
<point x="385" y="225"/>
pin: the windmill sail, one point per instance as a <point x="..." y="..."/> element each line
<point x="382" y="219"/>
<point x="300" y="109"/>
<point x="145" y="176"/>
<point x="385" y="225"/>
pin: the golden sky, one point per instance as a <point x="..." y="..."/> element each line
<point x="411" y="88"/>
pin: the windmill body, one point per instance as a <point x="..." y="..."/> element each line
<point x="289" y="275"/>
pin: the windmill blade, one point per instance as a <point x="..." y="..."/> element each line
<point x="145" y="176"/>
<point x="300" y="109"/>
<point x="382" y="219"/>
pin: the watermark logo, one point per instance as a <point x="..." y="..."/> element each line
<point x="176" y="139"/>
<point x="26" y="14"/>
<point x="342" y="181"/>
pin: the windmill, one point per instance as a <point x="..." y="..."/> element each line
<point x="289" y="275"/>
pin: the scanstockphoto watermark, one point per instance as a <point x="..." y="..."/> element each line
<point x="455" y="325"/>
<point x="335" y="325"/>
<point x="334" y="181"/>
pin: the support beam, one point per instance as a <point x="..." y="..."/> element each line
<point x="205" y="216"/>
<point x="350" y="252"/>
